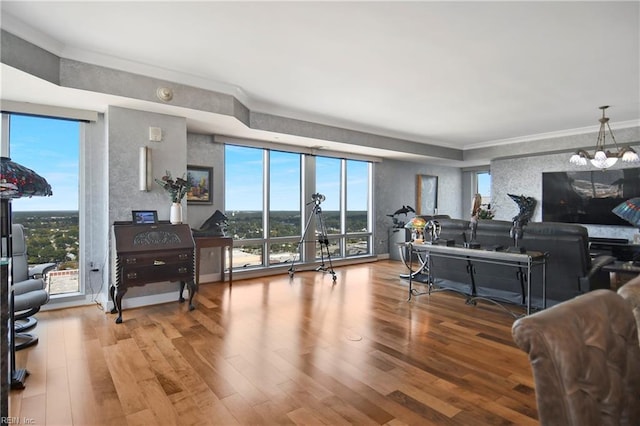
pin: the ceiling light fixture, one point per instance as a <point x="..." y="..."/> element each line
<point x="604" y="159"/>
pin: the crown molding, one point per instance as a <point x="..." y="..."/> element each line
<point x="552" y="135"/>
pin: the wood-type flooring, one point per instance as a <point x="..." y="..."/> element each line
<point x="280" y="350"/>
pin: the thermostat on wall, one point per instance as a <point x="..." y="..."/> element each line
<point x="155" y="134"/>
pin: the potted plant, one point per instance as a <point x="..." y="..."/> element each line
<point x="177" y="189"/>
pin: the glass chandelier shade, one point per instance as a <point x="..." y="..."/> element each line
<point x="603" y="159"/>
<point x="17" y="181"/>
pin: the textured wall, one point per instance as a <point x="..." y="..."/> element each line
<point x="128" y="130"/>
<point x="202" y="151"/>
<point x="523" y="176"/>
<point x="395" y="186"/>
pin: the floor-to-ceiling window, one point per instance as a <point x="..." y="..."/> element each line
<point x="50" y="147"/>
<point x="329" y="178"/>
<point x="244" y="203"/>
<point x="295" y="198"/>
<point x="483" y="187"/>
<point x="358" y="219"/>
<point x="284" y="212"/>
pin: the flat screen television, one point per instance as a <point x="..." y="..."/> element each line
<point x="588" y="197"/>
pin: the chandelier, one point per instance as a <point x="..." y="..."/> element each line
<point x="604" y="159"/>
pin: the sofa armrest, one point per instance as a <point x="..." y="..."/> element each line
<point x="596" y="278"/>
<point x="600" y="261"/>
<point x="26" y="286"/>
<point x="39" y="271"/>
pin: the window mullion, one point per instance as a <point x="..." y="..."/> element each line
<point x="266" y="202"/>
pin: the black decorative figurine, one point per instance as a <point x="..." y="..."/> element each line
<point x="397" y="223"/>
<point x="527" y="205"/>
<point x="212" y="227"/>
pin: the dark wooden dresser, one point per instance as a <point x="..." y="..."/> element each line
<point x="149" y="254"/>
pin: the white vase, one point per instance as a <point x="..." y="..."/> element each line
<point x="175" y="216"/>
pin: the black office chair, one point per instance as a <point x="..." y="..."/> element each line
<point x="28" y="289"/>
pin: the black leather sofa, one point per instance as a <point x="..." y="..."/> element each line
<point x="570" y="271"/>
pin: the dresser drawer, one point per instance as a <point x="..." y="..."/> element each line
<point x="155" y="259"/>
<point x="138" y="275"/>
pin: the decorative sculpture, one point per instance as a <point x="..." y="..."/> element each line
<point x="432" y="229"/>
<point x="404" y="210"/>
<point x="527" y="205"/>
<point x="473" y="222"/>
<point x="215" y="226"/>
<point x="475" y="211"/>
<point x="397" y="223"/>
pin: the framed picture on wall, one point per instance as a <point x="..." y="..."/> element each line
<point x="201" y="180"/>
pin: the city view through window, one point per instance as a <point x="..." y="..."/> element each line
<point x="256" y="181"/>
<point x="50" y="147"/>
<point x="265" y="210"/>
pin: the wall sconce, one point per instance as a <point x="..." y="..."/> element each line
<point x="145" y="168"/>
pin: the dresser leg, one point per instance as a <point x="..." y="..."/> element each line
<point x="118" y="302"/>
<point x="180" y="298"/>
<point x="193" y="288"/>
<point x="112" y="295"/>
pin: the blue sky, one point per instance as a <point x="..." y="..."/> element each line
<point x="50" y="148"/>
<point x="484" y="185"/>
<point x="244" y="177"/>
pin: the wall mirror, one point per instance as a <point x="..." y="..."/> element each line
<point x="427" y="195"/>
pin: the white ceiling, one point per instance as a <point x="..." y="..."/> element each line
<point x="457" y="74"/>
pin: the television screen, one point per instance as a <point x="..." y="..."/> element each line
<point x="588" y="197"/>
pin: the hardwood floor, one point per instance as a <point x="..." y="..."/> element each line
<point x="277" y="350"/>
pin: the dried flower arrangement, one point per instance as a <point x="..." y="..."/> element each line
<point x="177" y="188"/>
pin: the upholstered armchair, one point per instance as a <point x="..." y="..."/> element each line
<point x="28" y="289"/>
<point x="631" y="292"/>
<point x="585" y="359"/>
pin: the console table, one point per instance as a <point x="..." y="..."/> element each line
<point x="152" y="253"/>
<point x="222" y="242"/>
<point x="619" y="248"/>
<point x="526" y="260"/>
<point x="617" y="268"/>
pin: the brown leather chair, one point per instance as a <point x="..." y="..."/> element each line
<point x="585" y="359"/>
<point x="631" y="292"/>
